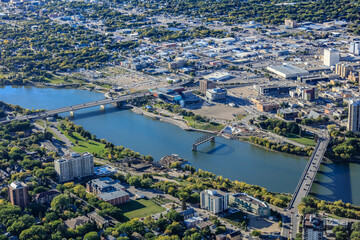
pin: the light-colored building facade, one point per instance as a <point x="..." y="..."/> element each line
<point x="354" y="48"/>
<point x="331" y="57"/>
<point x="18" y="194"/>
<point x="216" y="94"/>
<point x="214" y="201"/>
<point x="74" y="166"/>
<point x="354" y="116"/>
<point x="249" y="203"/>
<point x="290" y="23"/>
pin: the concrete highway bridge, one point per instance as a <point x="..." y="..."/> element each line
<point x="73" y="108"/>
<point x="306" y="181"/>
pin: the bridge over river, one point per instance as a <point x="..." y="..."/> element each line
<point x="306" y="181"/>
<point x="73" y="108"/>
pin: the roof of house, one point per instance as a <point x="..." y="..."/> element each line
<point x="75" y="222"/>
<point x="46" y="194"/>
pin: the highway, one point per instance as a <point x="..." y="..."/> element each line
<point x="305" y="183"/>
<point x="78" y="107"/>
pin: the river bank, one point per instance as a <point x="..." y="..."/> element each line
<point x="235" y="160"/>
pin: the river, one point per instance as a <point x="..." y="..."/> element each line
<point x="232" y="159"/>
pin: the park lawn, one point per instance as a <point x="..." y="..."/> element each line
<point x="307" y="140"/>
<point x="204" y="126"/>
<point x="140" y="208"/>
<point x="83" y="145"/>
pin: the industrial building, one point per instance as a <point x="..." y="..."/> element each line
<point x="274" y="89"/>
<point x="313" y="79"/>
<point x="249" y="203"/>
<point x="215" y="201"/>
<point x="287" y="71"/>
<point x="74" y="166"/>
<point x="218" y="76"/>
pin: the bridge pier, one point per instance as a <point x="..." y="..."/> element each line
<point x="194" y="148"/>
<point x="72" y="113"/>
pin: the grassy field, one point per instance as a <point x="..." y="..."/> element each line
<point x="83" y="145"/>
<point x="205" y="126"/>
<point x="140" y="208"/>
<point x="307" y="140"/>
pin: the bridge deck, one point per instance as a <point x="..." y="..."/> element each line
<point x="309" y="174"/>
<point x="78" y="107"/>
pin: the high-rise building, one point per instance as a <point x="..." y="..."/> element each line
<point x="310" y="94"/>
<point x="331" y="57"/>
<point x="353" y="118"/>
<point x="343" y="70"/>
<point x="205" y="85"/>
<point x="214" y="201"/>
<point x="18" y="194"/>
<point x="74" y="166"/>
<point x="313" y="228"/>
<point x="354" y="48"/>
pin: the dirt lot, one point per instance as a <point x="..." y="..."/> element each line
<point x="219" y="111"/>
<point x="264" y="225"/>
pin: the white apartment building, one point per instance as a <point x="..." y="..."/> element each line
<point x="353" y="117"/>
<point x="74" y="166"/>
<point x="354" y="48"/>
<point x="331" y="57"/>
<point x="214" y="201"/>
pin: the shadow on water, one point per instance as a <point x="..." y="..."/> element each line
<point x="333" y="184"/>
<point x="217" y="148"/>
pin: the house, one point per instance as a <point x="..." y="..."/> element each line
<point x="75" y="222"/>
<point x="99" y="220"/>
<point x="188" y="213"/>
<point x="193" y="222"/>
<point x="46" y="197"/>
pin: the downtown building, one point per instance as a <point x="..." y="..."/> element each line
<point x="215" y="201"/>
<point x="74" y="166"/>
<point x="331" y="57"/>
<point x="18" y="194"/>
<point x="313" y="227"/>
<point x="354" y="116"/>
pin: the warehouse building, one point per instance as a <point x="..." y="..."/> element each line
<point x="287" y="71"/>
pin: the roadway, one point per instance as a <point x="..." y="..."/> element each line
<point x="305" y="183"/>
<point x="78" y="107"/>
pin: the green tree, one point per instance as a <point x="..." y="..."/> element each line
<point x="92" y="236"/>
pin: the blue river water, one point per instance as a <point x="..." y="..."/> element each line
<point x="232" y="159"/>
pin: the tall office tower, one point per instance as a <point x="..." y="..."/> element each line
<point x="74" y="166"/>
<point x="18" y="194"/>
<point x="205" y="85"/>
<point x="331" y="57"/>
<point x="353" y="118"/>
